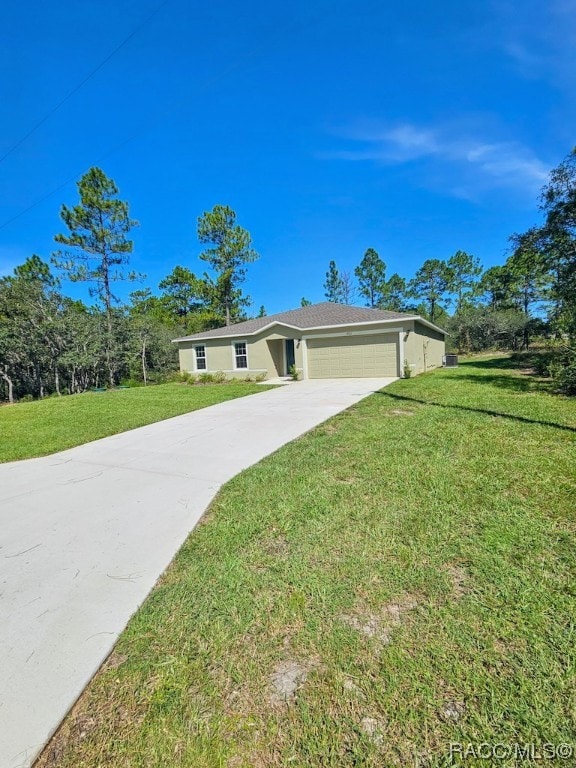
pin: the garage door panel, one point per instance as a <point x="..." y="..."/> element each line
<point x="353" y="356"/>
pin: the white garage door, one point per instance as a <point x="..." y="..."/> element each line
<point x="350" y="356"/>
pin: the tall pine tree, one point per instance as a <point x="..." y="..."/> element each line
<point x="98" y="247"/>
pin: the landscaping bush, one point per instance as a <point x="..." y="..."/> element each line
<point x="564" y="375"/>
<point x="566" y="379"/>
<point x="557" y="362"/>
<point x="206" y="378"/>
<point x="294" y="373"/>
<point x="542" y="363"/>
<point x="183" y="377"/>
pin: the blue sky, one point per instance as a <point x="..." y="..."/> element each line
<point x="329" y="126"/>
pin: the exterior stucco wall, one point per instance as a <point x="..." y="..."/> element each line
<point x="423" y="348"/>
<point x="277" y="353"/>
<point x="265" y="353"/>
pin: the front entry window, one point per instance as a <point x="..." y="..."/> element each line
<point x="240" y="354"/>
<point x="200" y="352"/>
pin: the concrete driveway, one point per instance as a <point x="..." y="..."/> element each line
<point x="85" y="534"/>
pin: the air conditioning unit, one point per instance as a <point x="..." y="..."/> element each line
<point x="450" y="361"/>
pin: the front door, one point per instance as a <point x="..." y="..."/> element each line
<point x="290" y="356"/>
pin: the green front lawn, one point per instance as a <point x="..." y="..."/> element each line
<point x="400" y="578"/>
<point x="45" y="426"/>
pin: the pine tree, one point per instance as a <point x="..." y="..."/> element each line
<point x="98" y="247"/>
<point x="333" y="287"/>
<point x="371" y="274"/>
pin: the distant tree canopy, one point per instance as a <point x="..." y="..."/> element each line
<point x="98" y="247"/>
<point x="230" y="251"/>
<point x="182" y="292"/>
<point x="371" y="274"/>
<point x="333" y="287"/>
<point x="52" y="344"/>
<point x="463" y="274"/>
<point x="430" y="285"/>
<point x="394" y="294"/>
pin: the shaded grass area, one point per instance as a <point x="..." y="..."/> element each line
<point x="408" y="566"/>
<point x="45" y="426"/>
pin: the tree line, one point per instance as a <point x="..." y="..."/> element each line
<point x="533" y="294"/>
<point x="481" y="309"/>
<point x="52" y="344"/>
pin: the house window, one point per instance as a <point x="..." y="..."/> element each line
<point x="240" y="354"/>
<point x="200" y="353"/>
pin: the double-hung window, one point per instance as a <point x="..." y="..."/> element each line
<point x="240" y="354"/>
<point x="200" y="354"/>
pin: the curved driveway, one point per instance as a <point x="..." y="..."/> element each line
<point x="85" y="534"/>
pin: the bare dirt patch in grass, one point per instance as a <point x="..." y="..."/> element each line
<point x="401" y="412"/>
<point x="327" y="429"/>
<point x="459" y="579"/>
<point x="276" y="545"/>
<point x="288" y="677"/>
<point x="351" y="687"/>
<point x="452" y="710"/>
<point x="373" y="728"/>
<point x="347" y="480"/>
<point x="380" y="626"/>
<point x="77" y="727"/>
<point x="115" y="660"/>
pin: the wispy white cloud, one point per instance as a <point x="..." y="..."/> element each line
<point x="539" y="38"/>
<point x="463" y="164"/>
<point x="525" y="57"/>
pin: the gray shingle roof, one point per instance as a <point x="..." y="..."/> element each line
<point x="314" y="316"/>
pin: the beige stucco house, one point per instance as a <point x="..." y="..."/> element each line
<point x="322" y="340"/>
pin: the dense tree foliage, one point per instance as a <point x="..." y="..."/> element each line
<point x="394" y="294"/>
<point x="462" y="273"/>
<point x="230" y="251"/>
<point x="183" y="294"/>
<point x="371" y="274"/>
<point x="51" y="344"/>
<point x="558" y="243"/>
<point x="333" y="287"/>
<point x="532" y="295"/>
<point x="98" y="248"/>
<point x="431" y="284"/>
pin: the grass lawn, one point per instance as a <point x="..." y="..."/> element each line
<point x="45" y="426"/>
<point x="400" y="578"/>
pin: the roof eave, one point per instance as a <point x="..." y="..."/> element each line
<point x="309" y="328"/>
<point x="195" y="337"/>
